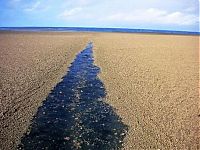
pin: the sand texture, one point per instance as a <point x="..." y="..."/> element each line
<point x="30" y="66"/>
<point x="152" y="81"/>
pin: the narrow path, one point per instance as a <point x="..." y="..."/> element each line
<point x="74" y="115"/>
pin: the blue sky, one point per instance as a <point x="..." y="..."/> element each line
<point x="145" y="14"/>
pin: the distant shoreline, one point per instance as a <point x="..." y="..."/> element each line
<point x="84" y="29"/>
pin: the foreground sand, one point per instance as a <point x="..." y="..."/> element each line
<point x="30" y="66"/>
<point x="151" y="80"/>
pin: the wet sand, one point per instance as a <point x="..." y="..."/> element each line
<point x="151" y="81"/>
<point x="31" y="64"/>
<point x="75" y="115"/>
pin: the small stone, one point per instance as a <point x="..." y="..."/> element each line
<point x="67" y="138"/>
<point x="122" y="134"/>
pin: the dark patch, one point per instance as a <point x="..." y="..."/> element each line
<point x="74" y="115"/>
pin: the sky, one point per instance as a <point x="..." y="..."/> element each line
<point x="181" y="15"/>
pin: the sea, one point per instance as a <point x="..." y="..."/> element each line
<point x="92" y="29"/>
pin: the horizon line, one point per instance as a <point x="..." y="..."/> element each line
<point x="144" y="29"/>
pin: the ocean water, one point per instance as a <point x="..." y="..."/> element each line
<point x="84" y="29"/>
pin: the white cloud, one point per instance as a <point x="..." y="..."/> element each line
<point x="37" y="7"/>
<point x="70" y="12"/>
<point x="154" y="16"/>
<point x="171" y="14"/>
<point x="33" y="7"/>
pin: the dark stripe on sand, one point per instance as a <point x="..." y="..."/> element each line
<point x="74" y="115"/>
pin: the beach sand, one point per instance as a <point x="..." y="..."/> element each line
<point x="31" y="64"/>
<point x="151" y="80"/>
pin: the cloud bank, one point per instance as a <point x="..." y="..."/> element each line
<point x="152" y="14"/>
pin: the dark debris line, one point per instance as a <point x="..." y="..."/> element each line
<point x="74" y="115"/>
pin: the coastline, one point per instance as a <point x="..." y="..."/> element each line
<point x="98" y="30"/>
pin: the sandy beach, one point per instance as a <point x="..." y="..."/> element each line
<point x="151" y="80"/>
<point x="31" y="65"/>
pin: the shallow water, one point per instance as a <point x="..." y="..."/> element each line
<point x="74" y="115"/>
